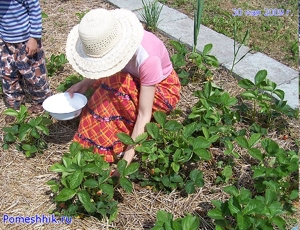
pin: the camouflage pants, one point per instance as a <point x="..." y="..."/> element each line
<point x="17" y="70"/>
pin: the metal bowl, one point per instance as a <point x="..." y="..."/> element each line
<point x="62" y="107"/>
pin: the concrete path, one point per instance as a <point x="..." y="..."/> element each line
<point x="179" y="26"/>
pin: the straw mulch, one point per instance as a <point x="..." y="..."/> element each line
<point x="23" y="189"/>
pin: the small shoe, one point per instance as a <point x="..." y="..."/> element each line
<point x="37" y="109"/>
<point x="10" y="119"/>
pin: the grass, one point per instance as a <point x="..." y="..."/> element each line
<point x="276" y="36"/>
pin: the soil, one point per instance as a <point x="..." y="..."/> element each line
<point x="23" y="189"/>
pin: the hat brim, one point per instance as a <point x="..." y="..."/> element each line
<point x="117" y="58"/>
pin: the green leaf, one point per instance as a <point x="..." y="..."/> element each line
<point x="173" y="125"/>
<point x="140" y="138"/>
<point x="216" y="214"/>
<point x="201" y="142"/>
<point x="57" y="168"/>
<point x="14" y="129"/>
<point x="234" y="206"/>
<point x="126" y="184"/>
<point x="190" y="222"/>
<point x="160" y="118"/>
<point x="294" y="195"/>
<point x="270" y="196"/>
<point x="75" y="147"/>
<point x="249" y="95"/>
<point x="256" y="153"/>
<point x="107" y="189"/>
<point x="175" y="166"/>
<point x="153" y="130"/>
<point x="75" y="179"/>
<point x="35" y="133"/>
<point x="254" y="139"/>
<point x="190" y="187"/>
<point x="189" y="129"/>
<point x="125" y="138"/>
<point x="85" y="199"/>
<point x="231" y="190"/>
<point x="260" y="76"/>
<point x="207" y="48"/>
<point x="11" y="112"/>
<point x="242" y="141"/>
<point x="280" y="93"/>
<point x="164" y="216"/>
<point x="279" y="222"/>
<point x="246" y="84"/>
<point x="227" y="172"/>
<point x="92" y="168"/>
<point x="203" y="154"/>
<point x="24" y="130"/>
<point x="131" y="168"/>
<point x="121" y="166"/>
<point x="91" y="183"/>
<point x="65" y="194"/>
<point x="44" y="129"/>
<point x="10" y="138"/>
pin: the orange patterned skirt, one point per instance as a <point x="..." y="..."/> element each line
<point x="113" y="109"/>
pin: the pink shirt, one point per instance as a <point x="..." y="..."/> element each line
<point x="151" y="62"/>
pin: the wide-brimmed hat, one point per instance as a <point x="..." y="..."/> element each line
<point x="104" y="42"/>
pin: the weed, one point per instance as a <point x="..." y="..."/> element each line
<point x="151" y="13"/>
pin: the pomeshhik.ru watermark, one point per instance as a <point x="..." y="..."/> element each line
<point x="36" y="219"/>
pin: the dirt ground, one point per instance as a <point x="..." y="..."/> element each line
<point x="23" y="189"/>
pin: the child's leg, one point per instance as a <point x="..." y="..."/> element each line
<point x="12" y="89"/>
<point x="33" y="70"/>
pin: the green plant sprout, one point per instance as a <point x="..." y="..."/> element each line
<point x="236" y="47"/>
<point x="151" y="13"/>
<point x="55" y="63"/>
<point x="26" y="133"/>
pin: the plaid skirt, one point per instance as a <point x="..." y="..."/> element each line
<point x="113" y="109"/>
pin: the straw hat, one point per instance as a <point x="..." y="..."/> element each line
<point x="104" y="42"/>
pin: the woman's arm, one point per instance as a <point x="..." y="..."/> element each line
<point x="144" y="116"/>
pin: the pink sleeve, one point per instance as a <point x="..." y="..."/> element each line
<point x="151" y="71"/>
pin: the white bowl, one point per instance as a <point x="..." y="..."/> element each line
<point x="62" y="107"/>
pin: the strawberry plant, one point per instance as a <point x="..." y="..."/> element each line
<point x="264" y="108"/>
<point x="85" y="185"/>
<point x="164" y="221"/>
<point x="27" y="133"/>
<point x="166" y="153"/>
<point x="71" y="80"/>
<point x="243" y="211"/>
<point x="55" y="63"/>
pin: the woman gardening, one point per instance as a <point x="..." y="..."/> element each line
<point x="131" y="74"/>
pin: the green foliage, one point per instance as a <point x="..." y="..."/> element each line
<point x="26" y="133"/>
<point x="55" y="63"/>
<point x="164" y="221"/>
<point x="150" y="14"/>
<point x="197" y="62"/>
<point x="237" y="46"/>
<point x="85" y="185"/>
<point x="71" y="80"/>
<point x="261" y="93"/>
<point x="166" y="148"/>
<point x="242" y="211"/>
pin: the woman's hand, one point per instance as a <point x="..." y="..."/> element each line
<point x="31" y="46"/>
<point x="81" y="87"/>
